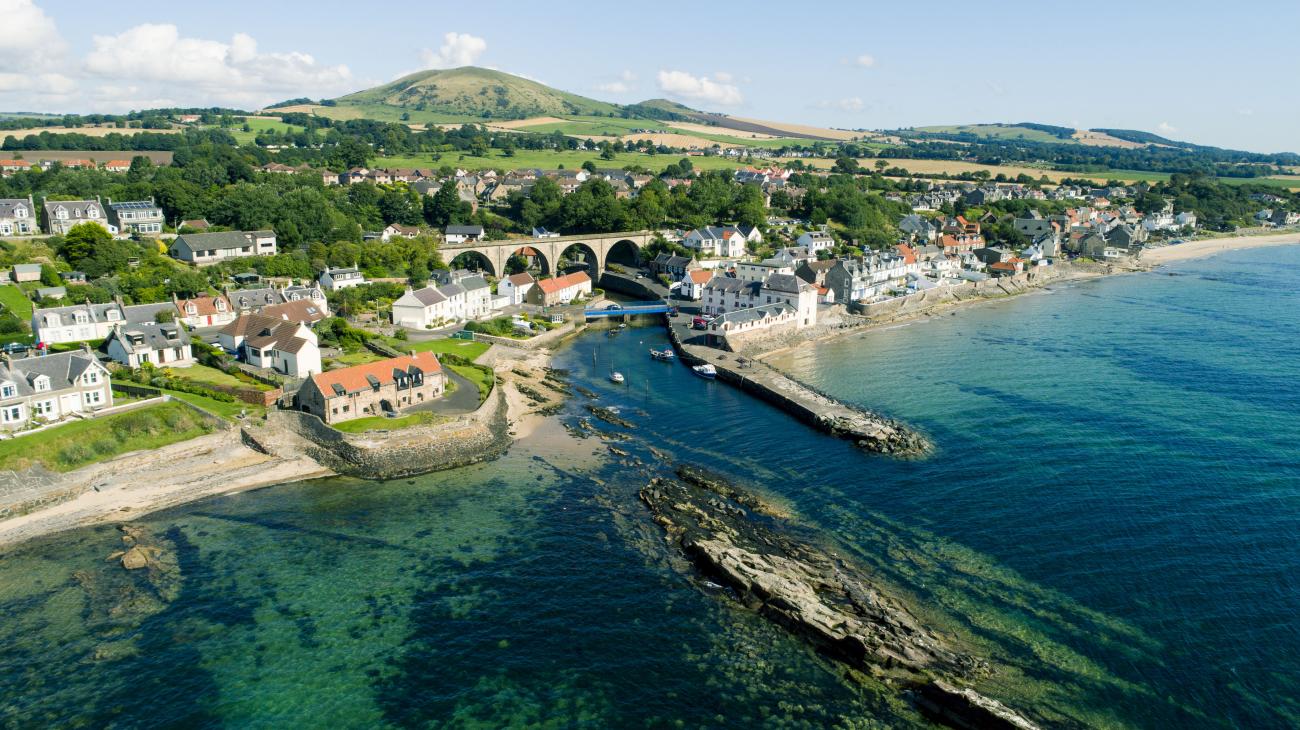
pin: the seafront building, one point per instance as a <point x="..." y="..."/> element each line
<point x="37" y="390"/>
<point x="373" y="389"/>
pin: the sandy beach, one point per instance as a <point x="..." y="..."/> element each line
<point x="1211" y="246"/>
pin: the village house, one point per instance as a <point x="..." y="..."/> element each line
<point x="814" y="272"/>
<point x="204" y="311"/>
<point x="724" y="294"/>
<point x="308" y="311"/>
<point x="87" y="322"/>
<point x="373" y="389"/>
<point x="210" y="248"/>
<point x="339" y="279"/>
<point x="674" y="267"/>
<point x="62" y="215"/>
<point x="49" y="388"/>
<point x="141" y="217"/>
<point x="560" y="290"/>
<point x="162" y="345"/>
<point x="18" y="217"/>
<point x="731" y="329"/>
<point x="515" y="287"/>
<point x="9" y="167"/>
<point x="816" y="242"/>
<point x="287" y="346"/>
<point x="760" y="270"/>
<point x="117" y="166"/>
<point x="693" y="283"/>
<point x="397" y="230"/>
<point x="463" y="234"/>
<point x="51" y="293"/>
<point x="716" y="242"/>
<point x="463" y="298"/>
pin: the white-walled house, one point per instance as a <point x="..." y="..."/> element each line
<point x="725" y="294"/>
<point x="816" y="242"/>
<point x="716" y="242"/>
<point x="693" y="283"/>
<point x="210" y="248"/>
<point x="18" y="217"/>
<point x="468" y="297"/>
<point x="85" y="322"/>
<point x="515" y="288"/>
<point x="161" y="345"/>
<point x="339" y="279"/>
<point x="50" y="388"/>
<point x="285" y="346"/>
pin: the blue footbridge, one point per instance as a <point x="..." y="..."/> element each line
<point x="630" y="310"/>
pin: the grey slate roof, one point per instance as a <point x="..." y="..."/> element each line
<point x="149" y="337"/>
<point x="742" y="316"/>
<point x="7" y="206"/>
<point x="472" y="283"/>
<point x="254" y="298"/>
<point x="61" y="368"/>
<point x="224" y="240"/>
<point x="464" y="230"/>
<point x="788" y="283"/>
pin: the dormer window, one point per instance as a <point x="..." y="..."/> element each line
<point x="190" y="308"/>
<point x="92" y="213"/>
<point x="81" y="318"/>
<point x="41" y="384"/>
<point x="8" y="390"/>
<point x="20" y="212"/>
<point x="112" y="315"/>
<point x="61" y="213"/>
<point x="221" y="305"/>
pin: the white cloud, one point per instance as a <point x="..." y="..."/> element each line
<point x="30" y="39"/>
<point x="1166" y="128"/>
<point x="624" y="84"/>
<point x="861" y="61"/>
<point x="847" y="104"/>
<point x="701" y="88"/>
<point x="159" y="63"/>
<point x="723" y="77"/>
<point x="457" y="49"/>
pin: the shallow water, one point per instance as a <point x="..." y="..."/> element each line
<point x="1110" y="518"/>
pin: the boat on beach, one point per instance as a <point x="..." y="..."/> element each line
<point x="616" y="377"/>
<point x="665" y="355"/>
<point x="706" y="371"/>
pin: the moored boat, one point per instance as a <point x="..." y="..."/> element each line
<point x="706" y="371"/>
<point x="616" y="377"/>
<point x="665" y="354"/>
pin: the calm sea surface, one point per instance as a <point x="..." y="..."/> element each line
<point x="1112" y="518"/>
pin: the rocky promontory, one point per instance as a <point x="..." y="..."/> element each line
<point x="734" y="538"/>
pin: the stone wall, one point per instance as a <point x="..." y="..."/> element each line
<point x="469" y="439"/>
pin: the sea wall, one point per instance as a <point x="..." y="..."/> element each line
<point x="468" y="439"/>
<point x="870" y="431"/>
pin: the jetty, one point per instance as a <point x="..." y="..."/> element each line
<point x="870" y="431"/>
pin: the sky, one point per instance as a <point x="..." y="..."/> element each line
<point x="1217" y="73"/>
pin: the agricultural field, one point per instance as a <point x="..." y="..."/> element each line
<point x="994" y="131"/>
<point x="159" y="158"/>
<point x="88" y="131"/>
<point x="382" y="113"/>
<point x="553" y="159"/>
<point x="260" y="124"/>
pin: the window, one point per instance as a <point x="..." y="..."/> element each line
<point x="8" y="390"/>
<point x="43" y="408"/>
<point x="11" y="414"/>
<point x="41" y="384"/>
<point x="92" y="377"/>
<point x="92" y="397"/>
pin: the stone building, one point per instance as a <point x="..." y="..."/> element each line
<point x="373" y="389"/>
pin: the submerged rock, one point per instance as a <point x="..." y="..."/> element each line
<point x="824" y="599"/>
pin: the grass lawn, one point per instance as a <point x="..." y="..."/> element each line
<point x="14" y="300"/>
<point x="483" y="379"/>
<point x="78" y="443"/>
<point x="360" y="357"/>
<point x="552" y="159"/>
<point x="226" y="409"/>
<point x="381" y="423"/>
<point x="470" y="350"/>
<point x="260" y="124"/>
<point x="212" y="376"/>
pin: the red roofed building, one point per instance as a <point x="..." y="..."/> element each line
<point x="560" y="290"/>
<point x="117" y="166"/>
<point x="693" y="282"/>
<point x="373" y="389"/>
<point x="205" y="311"/>
<point x="907" y="252"/>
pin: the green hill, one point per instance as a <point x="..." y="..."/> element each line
<point x="477" y="92"/>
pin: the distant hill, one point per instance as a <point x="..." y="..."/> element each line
<point x="477" y="92"/>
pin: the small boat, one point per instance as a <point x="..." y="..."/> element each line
<point x="616" y="377"/>
<point x="622" y="326"/>
<point x="666" y="355"/>
<point x="706" y="371"/>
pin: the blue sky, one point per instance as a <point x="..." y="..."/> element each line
<point x="1208" y="72"/>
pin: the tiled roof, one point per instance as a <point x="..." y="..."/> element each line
<point x="203" y="306"/>
<point x="521" y="279"/>
<point x="700" y="276"/>
<point x="551" y="286"/>
<point x="359" y="377"/>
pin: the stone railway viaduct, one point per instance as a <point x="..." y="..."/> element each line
<point x="596" y="250"/>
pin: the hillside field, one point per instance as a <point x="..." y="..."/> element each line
<point x="552" y="159"/>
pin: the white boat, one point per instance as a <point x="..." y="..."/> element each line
<point x="706" y="371"/>
<point x="665" y="354"/>
<point x="616" y="377"/>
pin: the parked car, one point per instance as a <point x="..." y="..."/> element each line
<point x="15" y="348"/>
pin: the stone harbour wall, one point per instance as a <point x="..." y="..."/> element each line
<point x="469" y="439"/>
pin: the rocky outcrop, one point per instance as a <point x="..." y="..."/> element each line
<point x="819" y="596"/>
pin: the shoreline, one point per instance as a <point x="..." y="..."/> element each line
<point x="137" y="484"/>
<point x="1214" y="246"/>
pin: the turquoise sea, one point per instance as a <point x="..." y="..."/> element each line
<point x="1112" y="518"/>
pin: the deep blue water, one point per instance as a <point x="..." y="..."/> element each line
<point x="1111" y="518"/>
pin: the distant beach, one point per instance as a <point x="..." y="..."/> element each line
<point x="1211" y="246"/>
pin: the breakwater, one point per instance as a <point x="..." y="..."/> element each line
<point x="870" y="431"/>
